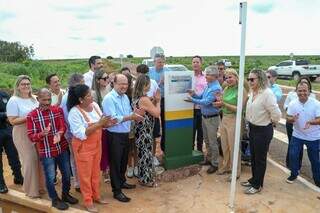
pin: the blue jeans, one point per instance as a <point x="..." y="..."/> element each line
<point x="63" y="163"/>
<point x="296" y="146"/>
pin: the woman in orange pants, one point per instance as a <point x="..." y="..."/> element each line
<point x="86" y="122"/>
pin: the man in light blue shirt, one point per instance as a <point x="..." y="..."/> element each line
<point x="210" y="116"/>
<point x="272" y="77"/>
<point x="157" y="73"/>
<point x="116" y="104"/>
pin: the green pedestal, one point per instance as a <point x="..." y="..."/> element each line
<point x="178" y="142"/>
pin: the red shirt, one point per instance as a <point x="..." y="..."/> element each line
<point x="37" y="120"/>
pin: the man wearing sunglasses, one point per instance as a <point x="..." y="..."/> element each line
<point x="272" y="77"/>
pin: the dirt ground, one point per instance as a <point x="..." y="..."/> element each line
<point x="208" y="193"/>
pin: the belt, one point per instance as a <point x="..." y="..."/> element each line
<point x="210" y="116"/>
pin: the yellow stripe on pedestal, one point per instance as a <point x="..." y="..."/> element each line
<point x="176" y="115"/>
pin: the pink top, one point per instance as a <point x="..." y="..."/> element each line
<point x="200" y="85"/>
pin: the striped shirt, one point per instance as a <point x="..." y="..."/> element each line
<point x="37" y="121"/>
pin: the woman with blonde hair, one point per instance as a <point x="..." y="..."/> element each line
<point x="262" y="113"/>
<point x="19" y="105"/>
<point x="228" y="123"/>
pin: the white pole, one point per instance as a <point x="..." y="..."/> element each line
<point x="243" y="22"/>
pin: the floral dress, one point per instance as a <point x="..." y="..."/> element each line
<point x="144" y="144"/>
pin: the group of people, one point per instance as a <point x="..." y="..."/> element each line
<point x="215" y="107"/>
<point x="105" y="122"/>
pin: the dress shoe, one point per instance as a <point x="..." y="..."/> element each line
<point x="66" y="197"/>
<point x="204" y="163"/>
<point x="18" y="180"/>
<point x="121" y="197"/>
<point x="92" y="208"/>
<point x="3" y="188"/>
<point x="212" y="169"/>
<point x="128" y="186"/>
<point x="59" y="204"/>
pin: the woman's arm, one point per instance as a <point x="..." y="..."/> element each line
<point x="16" y="120"/>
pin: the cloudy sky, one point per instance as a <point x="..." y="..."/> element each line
<point x="80" y="28"/>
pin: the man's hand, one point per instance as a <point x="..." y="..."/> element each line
<point x="295" y="117"/>
<point x="188" y="99"/>
<point x="190" y="92"/>
<point x="46" y="130"/>
<point x="218" y="104"/>
<point x="56" y="138"/>
<point x="307" y="125"/>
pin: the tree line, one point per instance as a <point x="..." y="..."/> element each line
<point x="15" y="52"/>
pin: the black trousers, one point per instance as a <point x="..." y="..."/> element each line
<point x="197" y="128"/>
<point x="6" y="144"/>
<point x="260" y="138"/>
<point x="118" y="157"/>
<point x="289" y="128"/>
<point x="163" y="122"/>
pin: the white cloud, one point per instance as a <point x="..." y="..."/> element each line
<point x="80" y="28"/>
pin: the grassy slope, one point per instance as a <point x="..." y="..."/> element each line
<point x="38" y="70"/>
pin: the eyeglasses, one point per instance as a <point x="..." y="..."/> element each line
<point x="251" y="79"/>
<point x="105" y="78"/>
<point x="25" y="84"/>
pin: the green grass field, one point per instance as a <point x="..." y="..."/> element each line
<point x="38" y="70"/>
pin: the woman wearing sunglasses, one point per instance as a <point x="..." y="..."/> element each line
<point x="262" y="113"/>
<point x="99" y="90"/>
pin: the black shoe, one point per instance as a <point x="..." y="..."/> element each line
<point x="69" y="199"/>
<point x="59" y="204"/>
<point x="128" y="186"/>
<point x="291" y="179"/>
<point x="121" y="197"/>
<point x="204" y="163"/>
<point x="3" y="188"/>
<point x="18" y="180"/>
<point x="212" y="169"/>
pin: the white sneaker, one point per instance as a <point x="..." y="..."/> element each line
<point x="156" y="161"/>
<point x="130" y="172"/>
<point x="159" y="170"/>
<point x="136" y="171"/>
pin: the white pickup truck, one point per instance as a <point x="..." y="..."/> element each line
<point x="297" y="68"/>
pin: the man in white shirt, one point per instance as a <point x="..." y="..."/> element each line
<point x="95" y="63"/>
<point x="54" y="85"/>
<point x="304" y="113"/>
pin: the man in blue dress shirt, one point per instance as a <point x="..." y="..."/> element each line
<point x="272" y="77"/>
<point x="157" y="73"/>
<point x="116" y="104"/>
<point x="210" y="116"/>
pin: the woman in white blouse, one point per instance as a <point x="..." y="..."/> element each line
<point x="19" y="105"/>
<point x="86" y="122"/>
<point x="292" y="95"/>
<point x="262" y="112"/>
